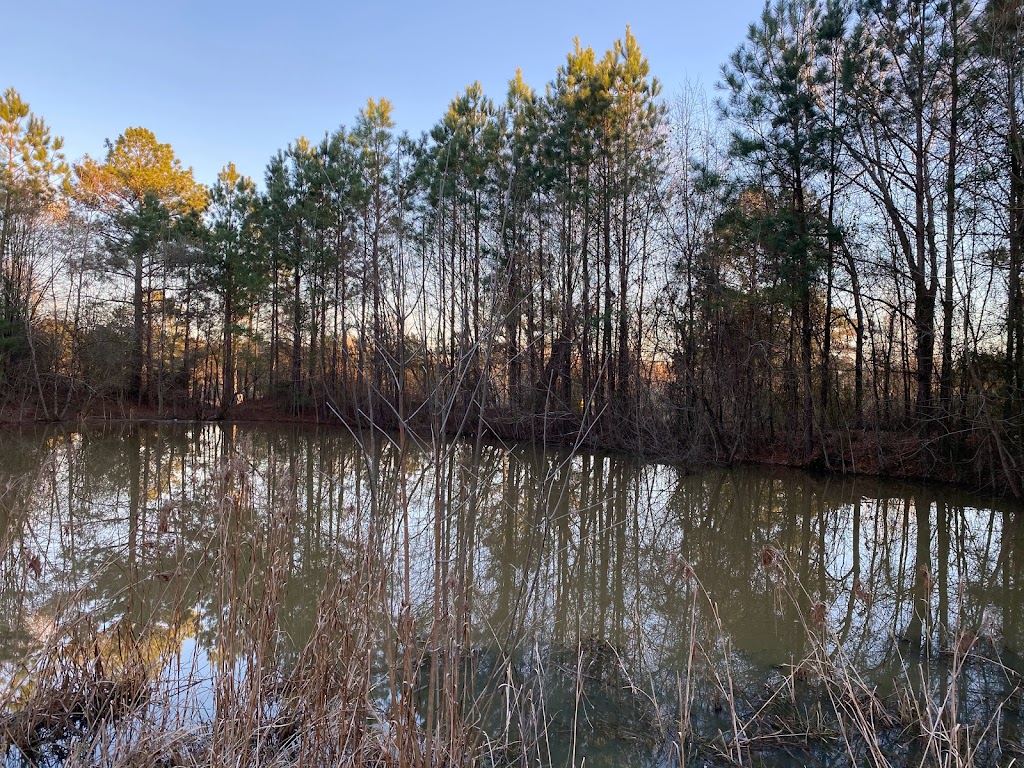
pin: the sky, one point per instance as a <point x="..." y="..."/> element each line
<point x="236" y="81"/>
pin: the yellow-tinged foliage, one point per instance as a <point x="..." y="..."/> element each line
<point x="137" y="165"/>
<point x="31" y="159"/>
<point x="229" y="176"/>
<point x="378" y="113"/>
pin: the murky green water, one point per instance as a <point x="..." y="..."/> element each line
<point x="588" y="566"/>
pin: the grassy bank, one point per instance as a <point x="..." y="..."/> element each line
<point x="976" y="458"/>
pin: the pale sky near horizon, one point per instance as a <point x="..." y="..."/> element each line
<point x="235" y="81"/>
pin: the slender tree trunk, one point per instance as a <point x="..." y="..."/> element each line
<point x="858" y="355"/>
<point x="297" y="339"/>
<point x="806" y="328"/>
<point x="607" y="369"/>
<point x="586" y="371"/>
<point x="946" y="374"/>
<point x="227" y="398"/>
<point x="275" y="333"/>
<point x="623" y="393"/>
<point x="138" y="329"/>
<point x="923" y="277"/>
<point x="1015" y="310"/>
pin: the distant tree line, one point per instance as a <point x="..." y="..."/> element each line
<point x="832" y="249"/>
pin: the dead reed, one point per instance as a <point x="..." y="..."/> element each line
<point x="392" y="671"/>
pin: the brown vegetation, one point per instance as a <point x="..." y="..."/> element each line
<point x="839" y="289"/>
<point x="392" y="675"/>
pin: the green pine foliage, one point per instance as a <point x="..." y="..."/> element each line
<point x="592" y="260"/>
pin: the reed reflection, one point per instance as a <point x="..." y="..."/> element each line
<point x="516" y="560"/>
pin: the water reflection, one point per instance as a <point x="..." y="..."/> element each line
<point x="586" y="567"/>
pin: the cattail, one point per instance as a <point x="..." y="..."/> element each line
<point x="680" y="566"/>
<point x="163" y="524"/>
<point x="818" y="613"/>
<point x="965" y="643"/>
<point x="35" y="565"/>
<point x="924" y="576"/>
<point x="990" y="628"/>
<point x="864" y="595"/>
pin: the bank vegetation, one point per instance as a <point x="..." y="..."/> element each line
<point x="818" y="265"/>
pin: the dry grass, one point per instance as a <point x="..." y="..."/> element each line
<point x="823" y="708"/>
<point x="375" y="683"/>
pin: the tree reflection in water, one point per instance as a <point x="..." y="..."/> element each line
<point x="586" y="579"/>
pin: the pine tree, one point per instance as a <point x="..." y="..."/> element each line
<point x="999" y="36"/>
<point x="235" y="267"/>
<point x="781" y="136"/>
<point x="32" y="172"/>
<point x="139" y="192"/>
<point x="376" y="146"/>
<point x="634" y="140"/>
<point x="518" y="186"/>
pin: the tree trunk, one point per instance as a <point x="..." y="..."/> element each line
<point x="227" y="398"/>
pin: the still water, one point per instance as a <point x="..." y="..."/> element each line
<point x="586" y="563"/>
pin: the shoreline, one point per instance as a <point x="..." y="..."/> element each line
<point x="899" y="454"/>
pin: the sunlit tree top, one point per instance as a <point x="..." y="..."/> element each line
<point x="137" y="165"/>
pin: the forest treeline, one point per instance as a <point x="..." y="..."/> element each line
<point x="820" y="261"/>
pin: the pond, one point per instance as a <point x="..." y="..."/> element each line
<point x="179" y="589"/>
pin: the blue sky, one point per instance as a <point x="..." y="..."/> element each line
<point x="236" y="81"/>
